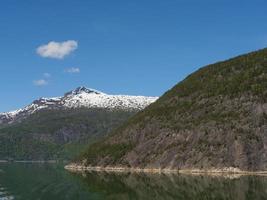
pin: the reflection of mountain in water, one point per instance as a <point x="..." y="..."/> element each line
<point x="157" y="187"/>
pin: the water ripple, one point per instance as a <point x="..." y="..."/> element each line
<point x="4" y="195"/>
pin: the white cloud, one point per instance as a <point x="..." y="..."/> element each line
<point x="57" y="50"/>
<point x="72" y="70"/>
<point x="40" y="82"/>
<point x="47" y="75"/>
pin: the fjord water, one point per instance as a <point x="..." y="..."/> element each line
<point x="52" y="182"/>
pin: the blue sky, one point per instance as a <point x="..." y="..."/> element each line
<point x="141" y="47"/>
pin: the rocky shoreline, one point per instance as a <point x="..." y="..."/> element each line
<point x="213" y="171"/>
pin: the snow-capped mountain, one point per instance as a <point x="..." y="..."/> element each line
<point x="80" y="97"/>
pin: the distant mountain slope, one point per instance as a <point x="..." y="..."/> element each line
<point x="215" y="118"/>
<point x="59" y="128"/>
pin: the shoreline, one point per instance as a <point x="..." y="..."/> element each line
<point x="213" y="172"/>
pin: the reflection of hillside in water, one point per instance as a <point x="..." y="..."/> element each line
<point x="182" y="187"/>
<point x="41" y="181"/>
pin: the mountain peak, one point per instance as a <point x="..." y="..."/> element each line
<point x="82" y="89"/>
<point x="77" y="98"/>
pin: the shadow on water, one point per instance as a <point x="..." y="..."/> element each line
<point x="49" y="182"/>
<point x="182" y="187"/>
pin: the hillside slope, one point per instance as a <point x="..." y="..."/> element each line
<point x="215" y="118"/>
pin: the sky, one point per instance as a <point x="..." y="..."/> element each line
<point x="141" y="47"/>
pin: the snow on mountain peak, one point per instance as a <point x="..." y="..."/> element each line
<point x="81" y="97"/>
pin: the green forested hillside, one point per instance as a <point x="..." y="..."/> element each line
<point x="215" y="118"/>
<point x="57" y="134"/>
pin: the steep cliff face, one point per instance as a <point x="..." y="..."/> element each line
<point x="215" y="118"/>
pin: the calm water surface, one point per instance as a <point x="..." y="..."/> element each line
<point x="52" y="182"/>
